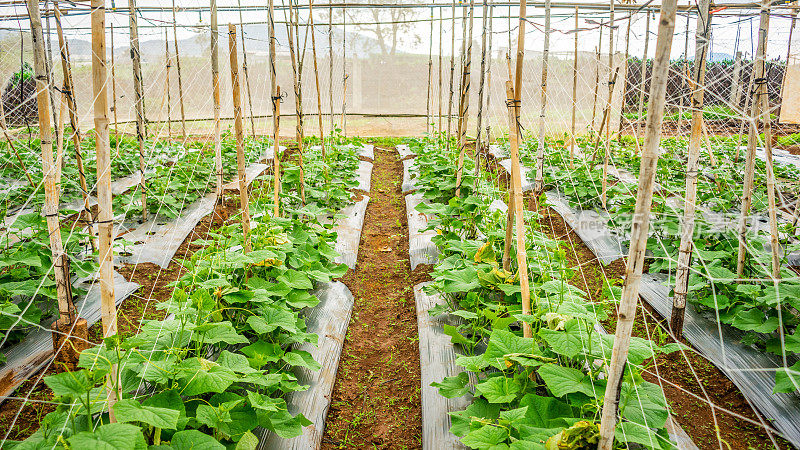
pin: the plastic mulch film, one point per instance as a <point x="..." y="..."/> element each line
<point x="499" y="153"/>
<point x="421" y="249"/>
<point x="329" y="320"/>
<point x="364" y="174"/>
<point x="591" y="228"/>
<point x="160" y="240"/>
<point x="404" y="151"/>
<point x="751" y="370"/>
<point x="526" y="182"/>
<point x="367" y="151"/>
<point x="348" y="232"/>
<point x="498" y="205"/>
<point x="409" y="183"/>
<point x="437" y="359"/>
<point x="36" y="349"/>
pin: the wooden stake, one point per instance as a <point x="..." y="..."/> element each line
<point x="216" y="96"/>
<point x="488" y="84"/>
<point x="625" y="76"/>
<point x="752" y="142"/>
<point x="330" y="65"/>
<point x="538" y="185"/>
<point x="316" y="77"/>
<point x="640" y="110"/>
<point x="640" y="226"/>
<point x="344" y="74"/>
<point x="114" y="93"/>
<point x="464" y="101"/>
<point x="298" y="95"/>
<point x="606" y="123"/>
<point x="430" y="74"/>
<point x="178" y="67"/>
<point x="441" y="38"/>
<point x="573" y="141"/>
<point x="684" y="71"/>
<point x="788" y="53"/>
<point x="276" y="112"/>
<point x="611" y="70"/>
<point x="51" y="190"/>
<point x="736" y="95"/>
<point x="514" y="94"/>
<point x="478" y="143"/>
<point x="69" y="97"/>
<point x="246" y="74"/>
<point x="168" y="62"/>
<point x="141" y="130"/>
<point x="596" y="81"/>
<point x="237" y="125"/>
<point x="692" y="168"/>
<point x="452" y="72"/>
<point x="105" y="226"/>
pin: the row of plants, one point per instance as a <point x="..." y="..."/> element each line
<point x="751" y="306"/>
<point x="542" y="392"/>
<point x="27" y="283"/>
<point x="219" y="366"/>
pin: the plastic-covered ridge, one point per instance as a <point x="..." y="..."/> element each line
<point x="409" y="178"/>
<point x="364" y="174"/>
<point x="421" y="249"/>
<point x="329" y="320"/>
<point x="526" y="182"/>
<point x="437" y="358"/>
<point x="348" y="232"/>
<point x="404" y="151"/>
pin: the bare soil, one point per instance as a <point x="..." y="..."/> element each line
<point x="376" y="398"/>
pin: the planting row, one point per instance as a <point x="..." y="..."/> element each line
<point x="219" y="366"/>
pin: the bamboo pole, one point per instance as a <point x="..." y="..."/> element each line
<point x="344" y="74"/>
<point x="640" y="110"/>
<point x="168" y="62"/>
<point x="430" y="74"/>
<point x="489" y="82"/>
<point x="141" y="130"/>
<point x="573" y="142"/>
<point x="625" y="76"/>
<point x="114" y="93"/>
<point x="69" y="97"/>
<point x="441" y="38"/>
<point x="452" y="73"/>
<point x="178" y="67"/>
<point x="511" y="211"/>
<point x="684" y="71"/>
<point x="275" y="91"/>
<point x="463" y="109"/>
<point x="514" y="96"/>
<point x="298" y="96"/>
<point x="735" y="95"/>
<point x="606" y="142"/>
<point x="330" y="66"/>
<point x="640" y="226"/>
<point x="596" y="80"/>
<point x="105" y="226"/>
<point x="752" y="141"/>
<point x="788" y="54"/>
<point x="51" y="189"/>
<point x="538" y="185"/>
<point x="246" y="74"/>
<point x="238" y="129"/>
<point x="316" y="77"/>
<point x="482" y="82"/>
<point x="611" y="66"/>
<point x="51" y="86"/>
<point x="216" y="96"/>
<point x="702" y="35"/>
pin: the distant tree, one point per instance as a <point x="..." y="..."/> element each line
<point x="389" y="25"/>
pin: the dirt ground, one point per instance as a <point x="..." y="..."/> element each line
<point x="376" y="398"/>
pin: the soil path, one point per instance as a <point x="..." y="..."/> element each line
<point x="376" y="398"/>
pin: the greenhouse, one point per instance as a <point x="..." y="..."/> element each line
<point x="389" y="224"/>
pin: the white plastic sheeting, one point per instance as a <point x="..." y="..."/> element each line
<point x="364" y="174"/>
<point x="329" y="320"/>
<point x="437" y="359"/>
<point x="421" y="249"/>
<point x="409" y="176"/>
<point x="526" y="182"/>
<point x="404" y="151"/>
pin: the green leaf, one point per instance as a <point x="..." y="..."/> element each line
<point x="266" y="403"/>
<point x="74" y="384"/>
<point x="452" y="387"/>
<point x="129" y="410"/>
<point x="285" y="425"/>
<point x="236" y="362"/>
<point x="472" y="363"/>
<point x="194" y="440"/>
<point x="214" y="333"/>
<point x="639" y="434"/>
<point x="248" y="441"/>
<point x="787" y="380"/>
<point x="200" y="376"/>
<point x="488" y="436"/>
<point x="754" y="320"/>
<point x="499" y="389"/>
<point x="503" y="343"/>
<point x="261" y="353"/>
<point x="546" y="412"/>
<point x="644" y="404"/>
<point x="455" y="336"/>
<point x="565" y="380"/>
<point x="295" y="279"/>
<point x="271" y="318"/>
<point x="112" y="436"/>
<point x="301" y="358"/>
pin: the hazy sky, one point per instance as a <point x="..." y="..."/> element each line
<point x="726" y="25"/>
